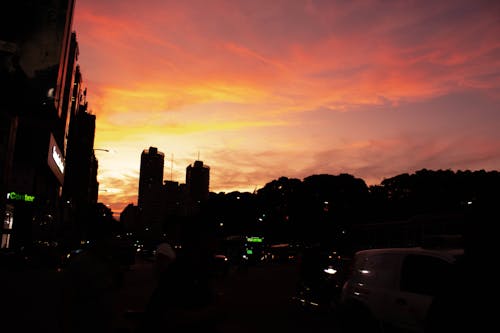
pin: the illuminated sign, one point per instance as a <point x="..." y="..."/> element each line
<point x="255" y="239"/>
<point x="58" y="159"/>
<point x="55" y="160"/>
<point x="20" y="197"/>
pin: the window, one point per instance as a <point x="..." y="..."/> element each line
<point x="423" y="274"/>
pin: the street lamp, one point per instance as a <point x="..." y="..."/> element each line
<point x="95" y="158"/>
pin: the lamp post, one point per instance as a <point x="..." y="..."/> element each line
<point x="104" y="189"/>
<point x="95" y="173"/>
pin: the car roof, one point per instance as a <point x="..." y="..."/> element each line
<point x="445" y="253"/>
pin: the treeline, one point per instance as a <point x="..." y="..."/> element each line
<point x="331" y="205"/>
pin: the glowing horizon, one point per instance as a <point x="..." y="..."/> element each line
<point x="290" y="88"/>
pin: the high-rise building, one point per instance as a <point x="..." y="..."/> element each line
<point x="172" y="197"/>
<point x="197" y="182"/>
<point x="151" y="172"/>
<point x="151" y="186"/>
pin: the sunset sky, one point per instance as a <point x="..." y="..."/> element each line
<point x="262" y="89"/>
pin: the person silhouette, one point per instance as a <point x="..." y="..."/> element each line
<point x="163" y="296"/>
<point x="90" y="288"/>
<point x="183" y="300"/>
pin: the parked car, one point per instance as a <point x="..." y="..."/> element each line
<point x="393" y="288"/>
<point x="322" y="274"/>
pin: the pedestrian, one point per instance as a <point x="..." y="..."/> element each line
<point x="90" y="286"/>
<point x="183" y="299"/>
<point x="163" y="296"/>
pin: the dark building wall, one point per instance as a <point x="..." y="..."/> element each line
<point x="129" y="218"/>
<point x="8" y="129"/>
<point x="198" y="181"/>
<point x="93" y="183"/>
<point x="151" y="173"/>
<point x="70" y="87"/>
<point x="34" y="37"/>
<point x="39" y="32"/>
<point x="79" y="159"/>
<point x="67" y="6"/>
<point x="32" y="176"/>
<point x="150" y="203"/>
<point x="171" y="198"/>
<point x="80" y="188"/>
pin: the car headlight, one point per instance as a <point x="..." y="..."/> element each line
<point x="330" y="270"/>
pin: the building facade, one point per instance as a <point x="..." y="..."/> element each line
<point x="198" y="182"/>
<point x="150" y="187"/>
<point x="40" y="94"/>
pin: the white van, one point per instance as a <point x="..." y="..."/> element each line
<point x="393" y="288"/>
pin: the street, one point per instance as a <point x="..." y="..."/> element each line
<point x="249" y="300"/>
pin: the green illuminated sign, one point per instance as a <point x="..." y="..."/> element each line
<point x="249" y="251"/>
<point x="255" y="239"/>
<point x="20" y="197"/>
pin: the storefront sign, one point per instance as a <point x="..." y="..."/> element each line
<point x="20" y="197"/>
<point x="255" y="239"/>
<point x="55" y="160"/>
<point x="58" y="159"/>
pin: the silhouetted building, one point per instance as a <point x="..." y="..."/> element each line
<point x="172" y="198"/>
<point x="197" y="182"/>
<point x="8" y="129"/>
<point x="129" y="217"/>
<point x="93" y="183"/>
<point x="71" y="88"/>
<point x="35" y="52"/>
<point x="81" y="186"/>
<point x="80" y="189"/>
<point x="151" y="186"/>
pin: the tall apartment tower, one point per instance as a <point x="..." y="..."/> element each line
<point x="198" y="181"/>
<point x="151" y="186"/>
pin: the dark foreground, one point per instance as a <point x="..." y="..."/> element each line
<point x="247" y="300"/>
